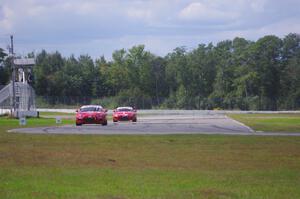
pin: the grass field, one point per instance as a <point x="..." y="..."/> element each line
<point x="43" y="114"/>
<point x="173" y="166"/>
<point x="270" y="122"/>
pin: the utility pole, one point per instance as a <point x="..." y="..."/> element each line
<point x="13" y="72"/>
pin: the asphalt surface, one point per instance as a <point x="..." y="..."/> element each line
<point x="158" y="125"/>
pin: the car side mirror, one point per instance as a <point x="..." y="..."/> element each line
<point x="114" y="110"/>
<point x="76" y="111"/>
<point x="105" y="110"/>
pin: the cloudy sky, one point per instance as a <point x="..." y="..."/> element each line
<point x="98" y="27"/>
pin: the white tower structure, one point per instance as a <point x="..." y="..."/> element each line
<point x="24" y="94"/>
<point x="19" y="96"/>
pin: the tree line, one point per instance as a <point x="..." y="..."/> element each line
<point x="232" y="74"/>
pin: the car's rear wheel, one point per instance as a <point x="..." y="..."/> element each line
<point x="78" y="124"/>
<point x="134" y="120"/>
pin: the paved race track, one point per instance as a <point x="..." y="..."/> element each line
<point x="157" y="125"/>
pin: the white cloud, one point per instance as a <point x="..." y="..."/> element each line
<point x="151" y="13"/>
<point x="138" y="14"/>
<point x="6" y="22"/>
<point x="198" y="11"/>
<point x="36" y="11"/>
<point x="81" y="8"/>
<point x="101" y="26"/>
<point x="258" y="5"/>
<point x="281" y="28"/>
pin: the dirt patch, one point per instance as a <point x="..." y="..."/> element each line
<point x="214" y="193"/>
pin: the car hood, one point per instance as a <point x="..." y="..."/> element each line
<point x="86" y="114"/>
<point x="124" y="113"/>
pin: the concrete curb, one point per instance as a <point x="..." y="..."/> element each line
<point x="242" y="124"/>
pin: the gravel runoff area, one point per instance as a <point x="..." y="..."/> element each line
<point x="158" y="123"/>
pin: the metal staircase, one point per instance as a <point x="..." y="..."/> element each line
<point x="5" y="93"/>
<point x="24" y="99"/>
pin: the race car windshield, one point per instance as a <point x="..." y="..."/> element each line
<point x="87" y="109"/>
<point x="124" y="109"/>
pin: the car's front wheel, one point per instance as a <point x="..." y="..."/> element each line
<point x="104" y="123"/>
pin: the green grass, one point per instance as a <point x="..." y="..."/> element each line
<point x="173" y="166"/>
<point x="7" y="123"/>
<point x="43" y="114"/>
<point x="270" y="122"/>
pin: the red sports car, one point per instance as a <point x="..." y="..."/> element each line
<point x="124" y="114"/>
<point x="91" y="114"/>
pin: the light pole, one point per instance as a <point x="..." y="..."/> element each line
<point x="13" y="73"/>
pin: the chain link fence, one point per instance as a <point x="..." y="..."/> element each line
<point x="108" y="102"/>
<point x="73" y="102"/>
<point x="145" y="102"/>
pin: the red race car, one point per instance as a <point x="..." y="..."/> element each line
<point x="124" y="114"/>
<point x="91" y="114"/>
